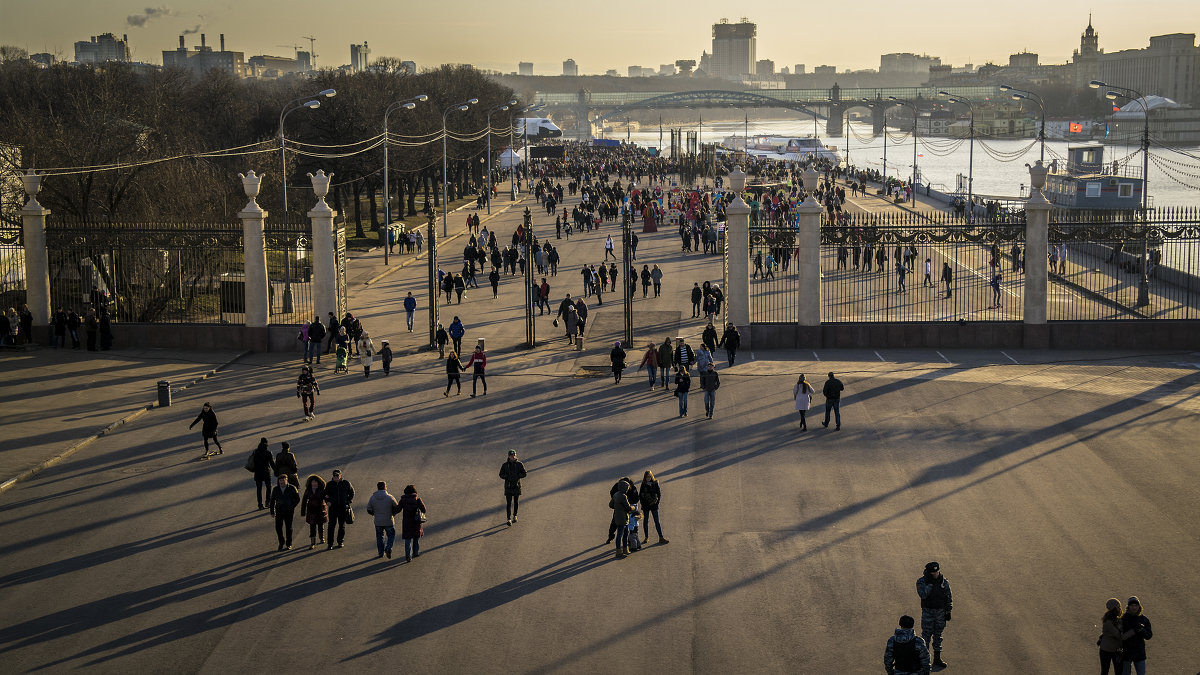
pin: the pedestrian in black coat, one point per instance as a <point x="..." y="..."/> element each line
<point x="634" y="498"/>
<point x="731" y="339"/>
<point x="339" y="494"/>
<point x="262" y="464"/>
<point x="209" y="429"/>
<point x="512" y="471"/>
<point x="283" y="502"/>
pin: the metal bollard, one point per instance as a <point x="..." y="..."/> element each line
<point x="164" y="393"/>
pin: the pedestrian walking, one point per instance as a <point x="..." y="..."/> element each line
<point x="307" y="391"/>
<point x="621" y="510"/>
<point x="453" y="368"/>
<point x="708" y="337"/>
<point x="313" y="509"/>
<point x="512" y="471"/>
<point x="928" y="281"/>
<point x="683" y="383"/>
<point x="208" y="430"/>
<point x="731" y="339"/>
<point x="339" y="495"/>
<point x="656" y="276"/>
<point x="646" y="280"/>
<point x="709" y="382"/>
<point x="316" y="335"/>
<point x="457" y="331"/>
<point x="936" y="603"/>
<point x="441" y="337"/>
<point x="1110" y="641"/>
<point x="906" y="654"/>
<point x="477" y="364"/>
<point x="581" y="312"/>
<point x="608" y="248"/>
<point x="650" y="362"/>
<point x="666" y="359"/>
<point x="833" y="401"/>
<point x="494" y="280"/>
<point x="684" y="357"/>
<point x="262" y="465"/>
<point x="696" y="298"/>
<point x="412" y="522"/>
<point x="283" y="502"/>
<point x="286" y="465"/>
<point x="650" y="497"/>
<point x="802" y="393"/>
<point x="995" y="284"/>
<point x="947" y="277"/>
<point x="384" y="507"/>
<point x="410" y="310"/>
<point x="331" y="330"/>
<point x="617" y="358"/>
<point x="1136" y="630"/>
<point x="385" y="354"/>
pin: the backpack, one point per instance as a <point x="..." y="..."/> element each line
<point x="905" y="656"/>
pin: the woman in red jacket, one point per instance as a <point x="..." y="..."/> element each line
<point x="477" y="364"/>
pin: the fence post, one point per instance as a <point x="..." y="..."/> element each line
<point x="737" y="242"/>
<point x="255" y="251"/>
<point x="37" y="265"/>
<point x="1037" y="224"/>
<point x="808" y="263"/>
<point x="324" y="262"/>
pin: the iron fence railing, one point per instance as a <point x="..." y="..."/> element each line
<point x="12" y="264"/>
<point x="290" y="272"/>
<point x="774" y="280"/>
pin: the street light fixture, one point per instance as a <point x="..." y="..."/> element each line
<point x="885" y="176"/>
<point x="916" y="114"/>
<point x="489" y="150"/>
<point x="406" y="104"/>
<point x="970" y="155"/>
<point x="461" y="107"/>
<point x="288" y="109"/>
<point x="1143" y="297"/>
<point x="1023" y="95"/>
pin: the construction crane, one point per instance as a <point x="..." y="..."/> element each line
<point x="295" y="47"/>
<point x="312" y="50"/>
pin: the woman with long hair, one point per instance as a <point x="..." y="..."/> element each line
<point x="209" y="427"/>
<point x="314" y="510"/>
<point x="1110" y="637"/>
<point x="802" y="393"/>
<point x="650" y="497"/>
<point x="411" y="523"/>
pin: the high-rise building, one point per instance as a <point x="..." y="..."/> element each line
<point x="907" y="64"/>
<point x="303" y="61"/>
<point x="204" y="59"/>
<point x="102" y="48"/>
<point x="764" y="67"/>
<point x="798" y="69"/>
<point x="1086" y="60"/>
<point x="272" y="66"/>
<point x="570" y="69"/>
<point x="360" y="57"/>
<point x="525" y="68"/>
<point x="1169" y="67"/>
<point x="733" y="49"/>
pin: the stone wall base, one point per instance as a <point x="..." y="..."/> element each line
<point x="1121" y="334"/>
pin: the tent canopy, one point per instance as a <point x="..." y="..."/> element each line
<point x="508" y="159"/>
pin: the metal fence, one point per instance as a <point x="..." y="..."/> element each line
<point x="290" y="272"/>
<point x="873" y="269"/>
<point x="774" y="280"/>
<point x="12" y="264"/>
<point x="1097" y="261"/>
<point x="148" y="272"/>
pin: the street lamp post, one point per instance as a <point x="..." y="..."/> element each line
<point x="885" y="176"/>
<point x="489" y="151"/>
<point x="433" y="290"/>
<point x="1143" y="297"/>
<point x="407" y="104"/>
<point x="461" y="107"/>
<point x="970" y="153"/>
<point x="1022" y="95"/>
<point x="916" y="114"/>
<point x="530" y="328"/>
<point x="626" y="260"/>
<point x="288" y="109"/>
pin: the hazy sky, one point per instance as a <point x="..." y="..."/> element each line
<point x="599" y="35"/>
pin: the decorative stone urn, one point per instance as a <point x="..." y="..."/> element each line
<point x="737" y="180"/>
<point x="1037" y="176"/>
<point x="33" y="185"/>
<point x="320" y="183"/>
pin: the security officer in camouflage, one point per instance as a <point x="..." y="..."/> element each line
<point x="936" y="603"/>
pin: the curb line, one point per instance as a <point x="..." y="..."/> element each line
<point x="79" y="445"/>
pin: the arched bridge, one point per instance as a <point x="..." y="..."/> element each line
<point x="829" y="104"/>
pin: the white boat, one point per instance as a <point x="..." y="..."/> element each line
<point x="785" y="148"/>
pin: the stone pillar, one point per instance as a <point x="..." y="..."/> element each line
<point x="324" y="284"/>
<point x="737" y="243"/>
<point x="255" y="252"/>
<point x="37" y="265"/>
<point x="1037" y="223"/>
<point x="808" y="264"/>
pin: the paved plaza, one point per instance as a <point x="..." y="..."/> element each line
<point x="1043" y="482"/>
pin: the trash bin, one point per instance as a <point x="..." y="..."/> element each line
<point x="164" y="393"/>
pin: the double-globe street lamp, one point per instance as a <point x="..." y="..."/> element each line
<point x="970" y="153"/>
<point x="461" y="107"/>
<point x="312" y="103"/>
<point x="406" y="104"/>
<point x="1114" y="92"/>
<point x="512" y="125"/>
<point x="1022" y="95"/>
<point x="488" y="164"/>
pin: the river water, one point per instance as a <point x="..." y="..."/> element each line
<point x="1001" y="174"/>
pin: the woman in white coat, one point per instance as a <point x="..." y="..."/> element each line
<point x="802" y="392"/>
<point x="366" y="353"/>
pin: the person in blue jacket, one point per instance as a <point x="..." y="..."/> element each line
<point x="410" y="309"/>
<point x="457" y="331"/>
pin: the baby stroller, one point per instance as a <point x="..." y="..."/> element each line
<point x="342" y="355"/>
<point x="635" y="544"/>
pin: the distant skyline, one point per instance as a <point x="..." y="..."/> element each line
<point x="624" y="34"/>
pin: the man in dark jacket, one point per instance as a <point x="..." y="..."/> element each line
<point x="709" y="382"/>
<point x="316" y="335"/>
<point x="833" y="400"/>
<point x="936" y="603"/>
<point x="332" y="327"/>
<point x="632" y="496"/>
<point x="263" y="465"/>
<point x="697" y="296"/>
<point x="512" y="471"/>
<point x="582" y="310"/>
<point x="339" y="493"/>
<point x="283" y="502"/>
<point x="906" y="654"/>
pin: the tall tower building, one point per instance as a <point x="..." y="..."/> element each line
<point x="1086" y="60"/>
<point x="733" y="49"/>
<point x="360" y="57"/>
<point x="570" y="69"/>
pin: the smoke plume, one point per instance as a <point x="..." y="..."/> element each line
<point x="150" y="13"/>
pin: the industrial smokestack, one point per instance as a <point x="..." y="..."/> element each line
<point x="202" y="40"/>
<point x="222" y="42"/>
<point x="181" y="45"/>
